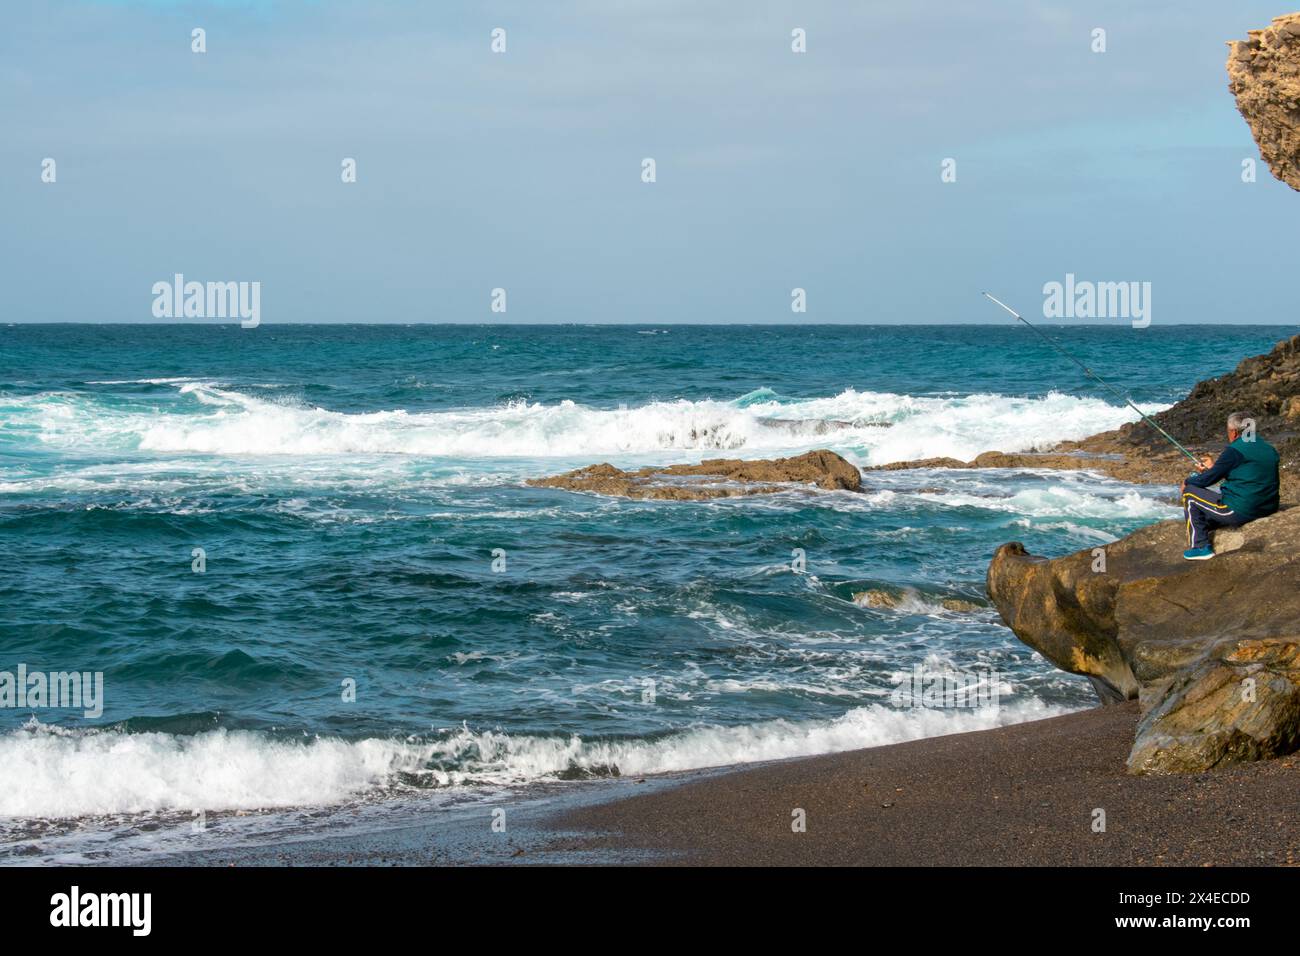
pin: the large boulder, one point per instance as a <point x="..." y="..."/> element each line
<point x="1264" y="76"/>
<point x="1180" y="636"/>
<point x="1242" y="702"/>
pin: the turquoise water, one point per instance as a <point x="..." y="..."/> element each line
<point x="348" y="486"/>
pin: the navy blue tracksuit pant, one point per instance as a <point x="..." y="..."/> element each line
<point x="1204" y="510"/>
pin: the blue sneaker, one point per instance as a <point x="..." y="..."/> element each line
<point x="1198" y="554"/>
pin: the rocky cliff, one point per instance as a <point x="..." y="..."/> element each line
<point x="1211" y="649"/>
<point x="1265" y="386"/>
<point x="1264" y="76"/>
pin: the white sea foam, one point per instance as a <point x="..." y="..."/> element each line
<point x="57" y="773"/>
<point x="1061" y="501"/>
<point x="143" y="381"/>
<point x="209" y="419"/>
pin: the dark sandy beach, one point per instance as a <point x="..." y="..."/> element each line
<point x="1022" y="795"/>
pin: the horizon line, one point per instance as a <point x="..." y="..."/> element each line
<point x="1124" y="324"/>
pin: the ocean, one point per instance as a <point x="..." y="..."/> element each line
<point x="304" y="562"/>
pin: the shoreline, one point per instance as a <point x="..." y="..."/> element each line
<point x="1020" y="795"/>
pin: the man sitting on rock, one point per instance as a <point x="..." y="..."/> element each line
<point x="1248" y="470"/>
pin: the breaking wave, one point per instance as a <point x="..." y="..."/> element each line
<point x="68" y="773"/>
<point x="869" y="427"/>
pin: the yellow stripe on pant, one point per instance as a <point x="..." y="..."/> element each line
<point x="1216" y="505"/>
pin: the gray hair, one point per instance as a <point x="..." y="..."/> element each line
<point x="1237" y="421"/>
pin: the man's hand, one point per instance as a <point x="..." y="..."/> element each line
<point x="1207" y="462"/>
<point x="1182" y="489"/>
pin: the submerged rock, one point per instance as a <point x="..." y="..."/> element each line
<point x="887" y="598"/>
<point x="1264" y="76"/>
<point x="715" y="478"/>
<point x="877" y="597"/>
<point x="1182" y="637"/>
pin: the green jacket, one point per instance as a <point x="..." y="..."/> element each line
<point x="1248" y="470"/>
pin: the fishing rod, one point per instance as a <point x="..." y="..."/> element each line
<point x="1087" y="371"/>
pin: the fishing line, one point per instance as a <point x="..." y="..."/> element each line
<point x="1089" y="372"/>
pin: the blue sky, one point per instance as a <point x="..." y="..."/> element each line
<point x="522" y="170"/>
